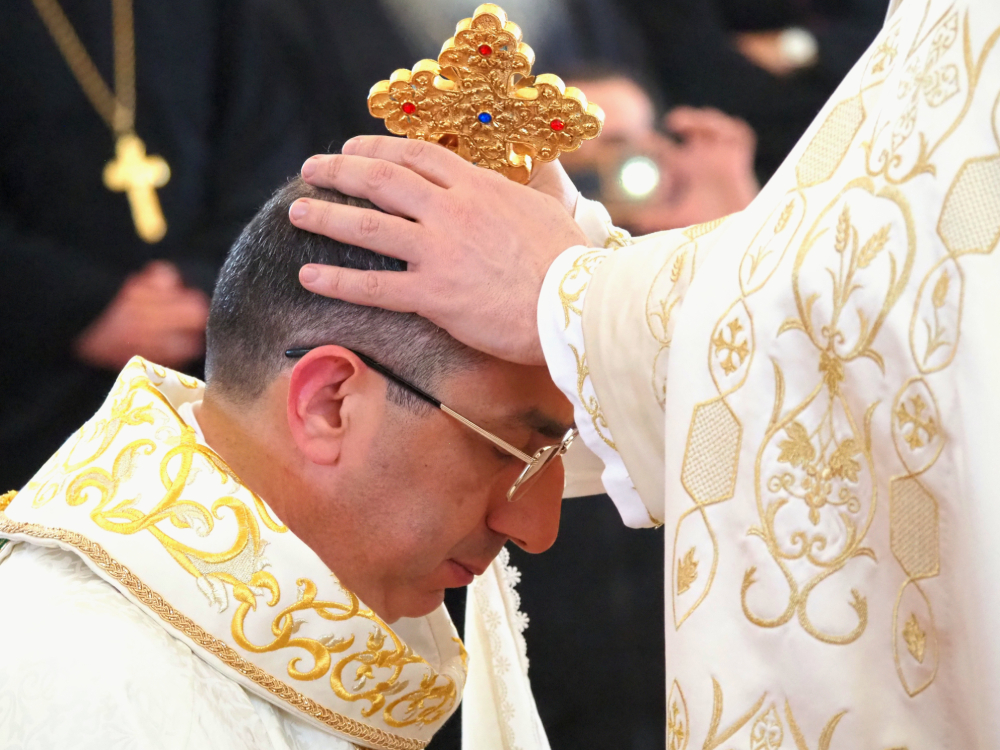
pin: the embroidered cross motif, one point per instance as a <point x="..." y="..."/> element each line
<point x="920" y="424"/>
<point x="730" y="347"/>
<point x="480" y="100"/>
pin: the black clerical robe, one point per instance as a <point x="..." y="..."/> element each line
<point x="215" y="98"/>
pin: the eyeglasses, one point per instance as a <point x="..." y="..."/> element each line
<point x="536" y="464"/>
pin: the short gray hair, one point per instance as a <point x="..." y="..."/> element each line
<point x="259" y="309"/>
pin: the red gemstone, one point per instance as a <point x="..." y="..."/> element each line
<point x="557" y="125"/>
<point x="409" y="108"/>
<point x="485" y="50"/>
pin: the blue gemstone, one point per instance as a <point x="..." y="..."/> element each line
<point x="485" y="118"/>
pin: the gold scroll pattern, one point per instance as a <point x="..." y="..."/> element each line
<point x="241" y="565"/>
<point x="969" y="224"/>
<point x="708" y="470"/>
<point x="156" y="604"/>
<point x="732" y="345"/>
<point x="814" y="475"/>
<point x="763" y="726"/>
<point x="940" y="72"/>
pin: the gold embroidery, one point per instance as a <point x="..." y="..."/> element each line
<point x="916" y="639"/>
<point x="923" y="429"/>
<point x="665" y="293"/>
<point x="935" y="73"/>
<point x="779" y="394"/>
<point x="581" y="271"/>
<point x="6" y="499"/>
<point x="970" y="217"/>
<point x="240" y="565"/>
<point x="913" y="532"/>
<point x="709" y="476"/>
<point x="462" y="652"/>
<point x="711" y="456"/>
<point x="767" y="733"/>
<point x="824" y="501"/>
<point x="830" y="144"/>
<point x="677" y="719"/>
<point x="731" y="347"/>
<point x="590" y="403"/>
<point x="825" y="737"/>
<point x="227" y="655"/>
<point x="712" y="453"/>
<point x="716" y="738"/>
<point x="687" y="571"/>
<point x="617" y="238"/>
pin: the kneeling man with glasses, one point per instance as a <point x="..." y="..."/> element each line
<point x="260" y="561"/>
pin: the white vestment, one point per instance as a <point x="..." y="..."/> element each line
<point x="805" y="395"/>
<point x="150" y="600"/>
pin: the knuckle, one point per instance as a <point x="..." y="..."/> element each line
<point x="379" y="174"/>
<point x="371" y="286"/>
<point x="332" y="165"/>
<point x="414" y="154"/>
<point x="323" y="217"/>
<point x="369" y="224"/>
<point x="372" y="147"/>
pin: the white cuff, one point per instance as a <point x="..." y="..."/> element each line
<point x="560" y="326"/>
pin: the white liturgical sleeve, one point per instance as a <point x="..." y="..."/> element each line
<point x="804" y="394"/>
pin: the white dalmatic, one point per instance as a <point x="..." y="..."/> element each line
<point x="152" y="600"/>
<point x="805" y="395"/>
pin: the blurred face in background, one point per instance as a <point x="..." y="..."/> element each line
<point x="650" y="180"/>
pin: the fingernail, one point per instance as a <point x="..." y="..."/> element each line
<point x="299" y="209"/>
<point x="309" y="168"/>
<point x="308" y="274"/>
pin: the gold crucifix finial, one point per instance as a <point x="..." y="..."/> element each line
<point x="480" y="100"/>
<point x="137" y="175"/>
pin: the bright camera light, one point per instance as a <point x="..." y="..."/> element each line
<point x="639" y="177"/>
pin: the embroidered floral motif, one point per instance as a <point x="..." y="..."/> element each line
<point x="916" y="639"/>
<point x="687" y="571"/>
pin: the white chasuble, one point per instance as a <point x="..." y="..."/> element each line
<point x="151" y="600"/>
<point x="805" y="395"/>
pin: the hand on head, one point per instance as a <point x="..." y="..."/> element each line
<point x="154" y="315"/>
<point x="477" y="245"/>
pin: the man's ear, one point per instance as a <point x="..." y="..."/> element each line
<point x="319" y="383"/>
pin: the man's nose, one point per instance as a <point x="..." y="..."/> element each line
<point x="532" y="520"/>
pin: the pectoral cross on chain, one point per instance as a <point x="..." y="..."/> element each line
<point x="137" y="175"/>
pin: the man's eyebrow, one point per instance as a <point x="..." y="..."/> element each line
<point x="543" y="424"/>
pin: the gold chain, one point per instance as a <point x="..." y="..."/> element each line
<point x="132" y="171"/>
<point x="116" y="108"/>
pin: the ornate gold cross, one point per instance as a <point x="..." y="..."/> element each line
<point x="480" y="100"/>
<point x="137" y="175"/>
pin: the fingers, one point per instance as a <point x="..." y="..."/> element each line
<point x="177" y="350"/>
<point x="690" y="122"/>
<point x="386" y="184"/>
<point x="362" y="227"/>
<point x="190" y="313"/>
<point x="429" y="160"/>
<point x="389" y="290"/>
<point x="161" y="274"/>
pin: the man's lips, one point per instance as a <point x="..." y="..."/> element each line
<point x="462" y="574"/>
<point x="477" y="569"/>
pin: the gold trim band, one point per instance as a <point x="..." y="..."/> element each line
<point x="221" y="650"/>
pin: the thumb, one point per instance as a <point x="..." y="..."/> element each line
<point x="162" y="275"/>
